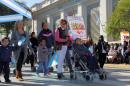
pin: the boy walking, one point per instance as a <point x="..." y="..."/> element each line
<point x="5" y="58"/>
<point x="42" y="53"/>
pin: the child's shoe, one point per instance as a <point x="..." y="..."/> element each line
<point x="37" y="75"/>
<point x="8" y="81"/>
<point x="46" y="76"/>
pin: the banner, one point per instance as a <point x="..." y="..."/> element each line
<point x="124" y="36"/>
<point x="77" y="27"/>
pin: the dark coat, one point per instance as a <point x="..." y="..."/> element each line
<point x="15" y="38"/>
<point x="99" y="46"/>
<point x="34" y="43"/>
<point x="6" y="53"/>
<point x="47" y="34"/>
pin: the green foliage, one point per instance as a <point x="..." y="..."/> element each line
<point x="120" y="19"/>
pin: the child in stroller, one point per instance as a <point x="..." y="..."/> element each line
<point x="82" y="54"/>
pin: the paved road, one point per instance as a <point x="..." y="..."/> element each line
<point x="116" y="77"/>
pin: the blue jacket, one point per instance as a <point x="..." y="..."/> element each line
<point x="47" y="34"/>
<point x="6" y="53"/>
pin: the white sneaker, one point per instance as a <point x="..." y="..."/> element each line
<point x="37" y="75"/>
<point x="46" y="76"/>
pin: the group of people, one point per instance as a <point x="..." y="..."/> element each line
<point x="21" y="44"/>
<point x="119" y="53"/>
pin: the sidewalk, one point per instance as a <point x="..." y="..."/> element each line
<point x="116" y="77"/>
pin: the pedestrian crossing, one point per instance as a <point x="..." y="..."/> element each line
<point x="115" y="78"/>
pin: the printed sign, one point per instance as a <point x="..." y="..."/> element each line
<point x="77" y="27"/>
<point x="124" y="36"/>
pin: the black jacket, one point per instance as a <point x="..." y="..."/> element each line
<point x="47" y="34"/>
<point x="99" y="47"/>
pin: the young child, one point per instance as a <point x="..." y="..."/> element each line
<point x="42" y="57"/>
<point x="83" y="51"/>
<point x="5" y="58"/>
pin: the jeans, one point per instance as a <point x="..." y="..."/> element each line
<point x="4" y="67"/>
<point x="20" y="61"/>
<point x="61" y="54"/>
<point x="102" y="59"/>
<point x="49" y="57"/>
<point x="68" y="60"/>
<point x="42" y="66"/>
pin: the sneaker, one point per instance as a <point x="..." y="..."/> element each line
<point x="33" y="69"/>
<point x="46" y="76"/>
<point x="8" y="81"/>
<point x="59" y="76"/>
<point x="62" y="75"/>
<point x="37" y="75"/>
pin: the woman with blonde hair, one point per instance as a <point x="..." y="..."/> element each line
<point x="20" y="38"/>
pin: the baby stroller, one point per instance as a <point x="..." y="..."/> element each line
<point x="86" y="64"/>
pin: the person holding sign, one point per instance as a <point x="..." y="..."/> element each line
<point x="20" y="38"/>
<point x="61" y="39"/>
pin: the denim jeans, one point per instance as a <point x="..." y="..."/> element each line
<point x="49" y="56"/>
<point x="42" y="67"/>
<point x="68" y="60"/>
<point x="61" y="58"/>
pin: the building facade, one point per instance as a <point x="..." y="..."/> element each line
<point x="94" y="12"/>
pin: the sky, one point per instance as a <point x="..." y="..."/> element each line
<point x="29" y="3"/>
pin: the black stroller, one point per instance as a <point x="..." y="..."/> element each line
<point x="87" y="65"/>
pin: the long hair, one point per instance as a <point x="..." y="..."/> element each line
<point x="16" y="25"/>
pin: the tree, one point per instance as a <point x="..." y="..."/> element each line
<point x="120" y="19"/>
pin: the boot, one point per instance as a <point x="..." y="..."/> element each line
<point x="17" y="74"/>
<point x="20" y="76"/>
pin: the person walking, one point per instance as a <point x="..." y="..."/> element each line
<point x="20" y="38"/>
<point x="101" y="48"/>
<point x="34" y="45"/>
<point x="47" y="34"/>
<point x="42" y="57"/>
<point x="5" y="58"/>
<point x="61" y="45"/>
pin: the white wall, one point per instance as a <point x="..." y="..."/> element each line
<point x="62" y="12"/>
<point x="105" y="12"/>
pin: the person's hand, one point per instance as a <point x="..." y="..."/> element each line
<point x="67" y="38"/>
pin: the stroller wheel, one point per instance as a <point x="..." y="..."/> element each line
<point x="87" y="77"/>
<point x="14" y="72"/>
